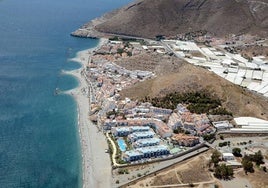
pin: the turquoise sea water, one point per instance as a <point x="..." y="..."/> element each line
<point x="39" y="142"/>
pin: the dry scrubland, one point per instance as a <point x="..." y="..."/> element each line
<point x="258" y="179"/>
<point x="174" y="75"/>
<point x="253" y="50"/>
<point x="194" y="170"/>
<point x="150" y="18"/>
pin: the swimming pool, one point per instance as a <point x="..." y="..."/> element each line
<point x="121" y="143"/>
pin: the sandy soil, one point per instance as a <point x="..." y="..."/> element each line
<point x="194" y="171"/>
<point x="96" y="163"/>
<point x="258" y="179"/>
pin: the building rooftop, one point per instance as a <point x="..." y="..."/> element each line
<point x="133" y="153"/>
<point x="140" y="128"/>
<point x="249" y="120"/>
<point x="183" y="137"/>
<point x="152" y="149"/>
<point x="141" y="134"/>
<point x="148" y="140"/>
<point x="222" y="124"/>
<point x="227" y="155"/>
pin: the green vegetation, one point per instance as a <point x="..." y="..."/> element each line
<point x="223" y="172"/>
<point x="220" y="111"/>
<point x="222" y="144"/>
<point x="191" y="185"/>
<point x="242" y="143"/>
<point x="123" y="50"/>
<point x="123" y="171"/>
<point x="120" y="50"/>
<point x="129" y="54"/>
<point x="257" y="158"/>
<point x="159" y="37"/>
<point x="215" y="157"/>
<point x="220" y="171"/>
<point x="247" y="165"/>
<point x="115" y="38"/>
<point x="198" y="102"/>
<point x="128" y="143"/>
<point x="208" y="137"/>
<point x="118" y="152"/>
<point x="237" y="152"/>
<point x="248" y="160"/>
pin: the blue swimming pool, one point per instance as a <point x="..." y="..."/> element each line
<point x="121" y="143"/>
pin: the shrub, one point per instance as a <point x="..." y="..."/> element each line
<point x="247" y="165"/>
<point x="208" y="137"/>
<point x="120" y="50"/>
<point x="237" y="152"/>
<point x="215" y="157"/>
<point x="223" y="171"/>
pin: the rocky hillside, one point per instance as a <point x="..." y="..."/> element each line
<point x="181" y="77"/>
<point x="148" y="18"/>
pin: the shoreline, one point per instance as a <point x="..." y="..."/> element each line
<point x="96" y="165"/>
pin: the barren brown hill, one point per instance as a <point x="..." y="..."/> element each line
<point x="175" y="75"/>
<point x="148" y="18"/>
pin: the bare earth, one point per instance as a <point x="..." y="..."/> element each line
<point x="174" y="75"/>
<point x="96" y="163"/>
<point x="194" y="170"/>
<point x="258" y="179"/>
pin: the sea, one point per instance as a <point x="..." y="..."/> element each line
<point x="39" y="140"/>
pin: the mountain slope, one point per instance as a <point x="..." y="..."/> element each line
<point x="174" y="75"/>
<point x="148" y="18"/>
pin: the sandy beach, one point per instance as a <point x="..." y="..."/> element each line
<point x="96" y="163"/>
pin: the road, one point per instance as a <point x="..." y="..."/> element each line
<point x="155" y="167"/>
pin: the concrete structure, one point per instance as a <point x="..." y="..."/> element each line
<point x="249" y="121"/>
<point x="146" y="142"/>
<point x="232" y="67"/>
<point x="162" y="129"/>
<point x="140" y="135"/>
<point x="185" y="140"/>
<point x="182" y="109"/>
<point x="222" y="125"/>
<point x="120" y="131"/>
<point x="174" y="121"/>
<point x="125" y="131"/>
<point x="132" y="155"/>
<point x="233" y="164"/>
<point x="228" y="157"/>
<point x="146" y="152"/>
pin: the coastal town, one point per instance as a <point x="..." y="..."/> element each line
<point x="134" y="94"/>
<point x="137" y="132"/>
